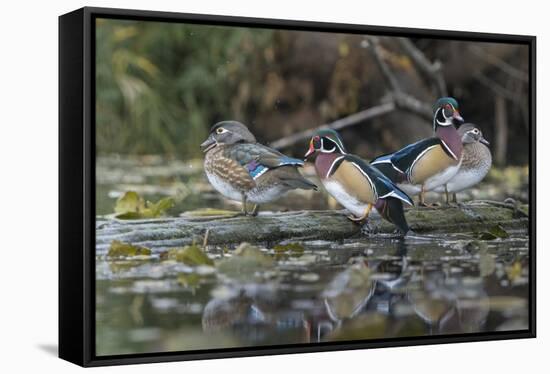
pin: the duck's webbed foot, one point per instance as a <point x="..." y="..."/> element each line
<point x="448" y="201"/>
<point x="422" y="199"/>
<point x="244" y="211"/>
<point x="430" y="205"/>
<point x="351" y="217"/>
<point x="364" y="217"/>
<point x="454" y="201"/>
<point x="422" y="203"/>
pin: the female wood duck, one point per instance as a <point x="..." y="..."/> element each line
<point x="431" y="162"/>
<point x="476" y="162"/>
<point x="354" y="183"/>
<point x="243" y="170"/>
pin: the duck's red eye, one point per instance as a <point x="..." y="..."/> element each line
<point x="316" y="138"/>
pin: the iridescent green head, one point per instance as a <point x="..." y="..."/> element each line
<point x="446" y="112"/>
<point x="326" y="141"/>
<point x="443" y="101"/>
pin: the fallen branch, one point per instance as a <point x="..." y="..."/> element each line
<point x="163" y="233"/>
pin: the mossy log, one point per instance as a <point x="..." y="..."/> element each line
<point x="161" y="233"/>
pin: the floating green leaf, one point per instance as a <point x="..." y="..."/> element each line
<point x="494" y="232"/>
<point x="129" y="202"/>
<point x="161" y="206"/>
<point x="290" y="247"/>
<point x="121" y="249"/>
<point x="191" y="255"/>
<point x="132" y="206"/>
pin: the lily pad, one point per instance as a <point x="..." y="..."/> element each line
<point x="121" y="249"/>
<point x="132" y="206"/>
<point x="191" y="255"/>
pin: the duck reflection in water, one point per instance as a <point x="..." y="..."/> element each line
<point x="389" y="296"/>
<point x="427" y="299"/>
<point x="254" y="315"/>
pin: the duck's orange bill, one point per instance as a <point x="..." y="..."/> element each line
<point x="311" y="149"/>
<point x="457" y="116"/>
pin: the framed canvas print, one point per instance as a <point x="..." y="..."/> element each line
<point x="237" y="186"/>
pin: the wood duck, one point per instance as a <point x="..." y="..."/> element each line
<point x="429" y="163"/>
<point x="354" y="183"/>
<point x="241" y="169"/>
<point x="476" y="162"/>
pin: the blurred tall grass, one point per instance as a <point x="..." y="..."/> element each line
<point x="159" y="86"/>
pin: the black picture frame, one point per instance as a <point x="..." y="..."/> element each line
<point x="77" y="185"/>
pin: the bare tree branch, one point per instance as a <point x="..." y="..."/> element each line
<point x="390" y="78"/>
<point x="339" y="124"/>
<point x="402" y="99"/>
<point x="429" y="69"/>
<point x="399" y="98"/>
<point x="495" y="87"/>
<point x="499" y="63"/>
<point x="412" y="104"/>
<point x="501" y="129"/>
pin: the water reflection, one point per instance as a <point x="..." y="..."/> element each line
<point x="355" y="289"/>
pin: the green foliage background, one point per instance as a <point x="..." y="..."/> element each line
<point x="160" y="86"/>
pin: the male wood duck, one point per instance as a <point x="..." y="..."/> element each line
<point x="241" y="169"/>
<point x="476" y="162"/>
<point x="354" y="183"/>
<point x="431" y="162"/>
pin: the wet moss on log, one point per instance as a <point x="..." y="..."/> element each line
<point x="159" y="234"/>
